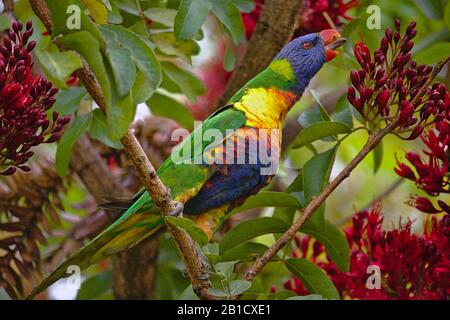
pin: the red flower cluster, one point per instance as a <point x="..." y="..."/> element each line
<point x="433" y="174"/>
<point x="24" y="101"/>
<point x="411" y="266"/>
<point x="313" y="14"/>
<point x="393" y="89"/>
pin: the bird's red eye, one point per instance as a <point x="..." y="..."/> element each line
<point x="307" y="45"/>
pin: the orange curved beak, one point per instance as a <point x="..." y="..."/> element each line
<point x="332" y="40"/>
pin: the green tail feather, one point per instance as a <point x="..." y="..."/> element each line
<point x="131" y="228"/>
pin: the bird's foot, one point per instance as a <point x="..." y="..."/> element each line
<point x="178" y="210"/>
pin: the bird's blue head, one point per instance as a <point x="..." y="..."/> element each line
<point x="308" y="53"/>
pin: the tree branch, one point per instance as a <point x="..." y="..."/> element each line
<point x="372" y="142"/>
<point x="275" y="27"/>
<point x="147" y="174"/>
<point x="315" y="203"/>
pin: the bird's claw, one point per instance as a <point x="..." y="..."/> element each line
<point x="177" y="211"/>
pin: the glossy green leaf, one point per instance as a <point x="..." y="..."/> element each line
<point x="65" y="145"/>
<point x="164" y="16"/>
<point x="238" y="286"/>
<point x="316" y="174"/>
<point x="378" y="156"/>
<point x="120" y="116"/>
<point x="268" y="199"/>
<point x="95" y="286"/>
<point x="447" y="15"/>
<point x="189" y="84"/>
<point x="164" y="106"/>
<point x="334" y="241"/>
<point x="121" y="62"/>
<point x="313" y="278"/>
<point x="197" y="234"/>
<point x="88" y="46"/>
<point x="229" y="61"/>
<point x="244" y="5"/>
<point x="308" y="297"/>
<point x="140" y="50"/>
<point x="245" y="251"/>
<point x="5" y="22"/>
<point x="319" y="130"/>
<point x="68" y="100"/>
<point x="230" y="16"/>
<point x="251" y="229"/>
<point x="67" y="13"/>
<point x="434" y="53"/>
<point x="344" y="111"/>
<point x="169" y="45"/>
<point x="97" y="10"/>
<point x="190" y="17"/>
<point x="98" y="130"/>
<point x="58" y="66"/>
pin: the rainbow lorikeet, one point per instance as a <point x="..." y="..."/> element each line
<point x="209" y="191"/>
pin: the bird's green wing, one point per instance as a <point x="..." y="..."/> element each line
<point x="139" y="221"/>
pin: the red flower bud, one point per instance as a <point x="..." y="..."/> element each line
<point x="424" y="205"/>
<point x="406" y="111"/>
<point x="362" y="53"/>
<point x="382" y="99"/>
<point x="405" y="171"/>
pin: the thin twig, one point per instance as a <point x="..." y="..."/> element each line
<point x="147" y="174"/>
<point x="372" y="142"/>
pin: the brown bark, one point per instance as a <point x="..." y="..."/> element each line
<point x="275" y="27"/>
<point x="147" y="174"/>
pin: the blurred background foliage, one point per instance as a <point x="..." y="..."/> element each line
<point x="191" y="65"/>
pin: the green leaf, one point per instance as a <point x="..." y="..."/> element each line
<point x="169" y="45"/>
<point x="188" y="294"/>
<point x="344" y="111"/>
<point x="164" y="106"/>
<point x="141" y="89"/>
<point x="313" y="278"/>
<point x="121" y="62"/>
<point x="334" y="241"/>
<point x="58" y="66"/>
<point x="197" y="234"/>
<point x="230" y="16"/>
<point x="239" y="286"/>
<point x="308" y="297"/>
<point x="62" y="20"/>
<point x="434" y="53"/>
<point x="229" y="61"/>
<point x="140" y="49"/>
<point x="189" y="84"/>
<point x="316" y="174"/>
<point x="313" y="115"/>
<point x="250" y="229"/>
<point x="244" y="5"/>
<point x="164" y="16"/>
<point x="68" y="100"/>
<point x="98" y="130"/>
<point x="97" y="10"/>
<point x="120" y="116"/>
<point x="88" y="46"/>
<point x="65" y="145"/>
<point x="447" y="15"/>
<point x="319" y="130"/>
<point x="95" y="286"/>
<point x="268" y="199"/>
<point x="5" y="22"/>
<point x="245" y="251"/>
<point x="225" y="269"/>
<point x="190" y="17"/>
<point x="378" y="156"/>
